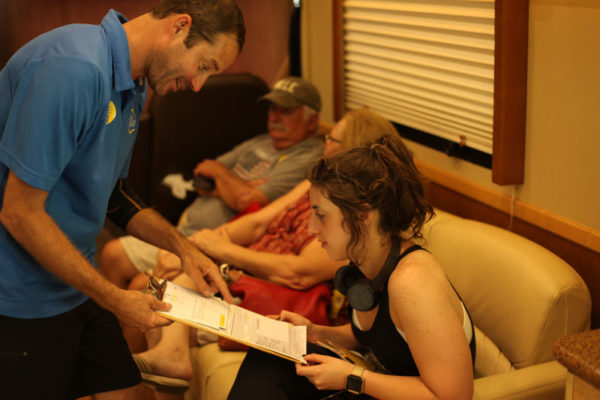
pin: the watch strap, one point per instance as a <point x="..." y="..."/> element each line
<point x="358" y="371"/>
<point x="355" y="376"/>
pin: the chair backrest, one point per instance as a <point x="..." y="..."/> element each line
<point x="185" y="128"/>
<point x="521" y="297"/>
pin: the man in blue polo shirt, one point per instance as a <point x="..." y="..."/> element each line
<point x="70" y="102"/>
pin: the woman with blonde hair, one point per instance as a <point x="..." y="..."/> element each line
<point x="362" y="125"/>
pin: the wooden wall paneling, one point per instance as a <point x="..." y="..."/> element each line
<point x="510" y="91"/>
<point x="27" y="19"/>
<point x="338" y="60"/>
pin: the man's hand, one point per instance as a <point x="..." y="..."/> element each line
<point x="136" y="310"/>
<point x="210" y="168"/>
<point x="205" y="273"/>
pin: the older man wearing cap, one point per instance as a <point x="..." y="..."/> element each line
<point x="258" y="170"/>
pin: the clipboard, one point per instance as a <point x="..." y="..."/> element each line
<point x="214" y="315"/>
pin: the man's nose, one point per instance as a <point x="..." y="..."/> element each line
<point x="274" y="116"/>
<point x="197" y="83"/>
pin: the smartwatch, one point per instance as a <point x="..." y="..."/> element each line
<point x="354" y="381"/>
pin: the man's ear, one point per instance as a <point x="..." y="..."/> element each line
<point x="181" y="22"/>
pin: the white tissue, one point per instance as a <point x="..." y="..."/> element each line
<point x="179" y="186"/>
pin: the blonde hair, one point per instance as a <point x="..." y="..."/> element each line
<point x="364" y="125"/>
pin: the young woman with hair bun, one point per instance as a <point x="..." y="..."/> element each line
<point x="368" y="206"/>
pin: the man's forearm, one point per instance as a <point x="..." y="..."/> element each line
<point x="42" y="238"/>
<point x="149" y="226"/>
<point x="236" y="192"/>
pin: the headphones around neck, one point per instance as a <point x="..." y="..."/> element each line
<point x="364" y="294"/>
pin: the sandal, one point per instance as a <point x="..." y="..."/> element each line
<point x="159" y="383"/>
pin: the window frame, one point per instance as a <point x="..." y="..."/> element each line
<point x="511" y="25"/>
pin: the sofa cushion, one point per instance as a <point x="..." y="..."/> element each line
<point x="214" y="371"/>
<point x="519" y="294"/>
<point x="490" y="360"/>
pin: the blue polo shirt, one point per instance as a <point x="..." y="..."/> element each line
<point x="69" y="113"/>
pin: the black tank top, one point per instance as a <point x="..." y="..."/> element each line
<point x="384" y="340"/>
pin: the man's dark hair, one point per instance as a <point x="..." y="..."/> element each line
<point x="209" y="18"/>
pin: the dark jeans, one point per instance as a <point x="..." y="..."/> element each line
<point x="265" y="376"/>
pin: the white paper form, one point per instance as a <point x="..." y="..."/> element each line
<point x="191" y="306"/>
<point x="277" y="336"/>
<point x="217" y="316"/>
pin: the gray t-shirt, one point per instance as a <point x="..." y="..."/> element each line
<point x="252" y="160"/>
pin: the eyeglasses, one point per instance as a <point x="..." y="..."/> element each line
<point x="329" y="137"/>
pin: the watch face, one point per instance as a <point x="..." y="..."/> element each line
<point x="354" y="384"/>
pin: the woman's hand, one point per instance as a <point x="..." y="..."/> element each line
<point x="167" y="266"/>
<point x="297" y="319"/>
<point x="325" y="372"/>
<point x="210" y="241"/>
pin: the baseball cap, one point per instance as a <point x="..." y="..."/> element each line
<point x="292" y="92"/>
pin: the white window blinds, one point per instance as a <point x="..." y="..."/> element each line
<point x="425" y="64"/>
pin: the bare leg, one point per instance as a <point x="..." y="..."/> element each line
<point x="116" y="265"/>
<point x="136" y="340"/>
<point x="171" y="356"/>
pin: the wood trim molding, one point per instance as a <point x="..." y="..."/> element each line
<point x="325" y="127"/>
<point x="510" y="91"/>
<point x="338" y="59"/>
<point x="551" y="222"/>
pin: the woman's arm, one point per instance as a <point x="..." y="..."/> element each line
<point x="302" y="271"/>
<point x="249" y="228"/>
<point x="424" y="305"/>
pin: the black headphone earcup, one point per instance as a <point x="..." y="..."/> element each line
<point x="345" y="278"/>
<point x="362" y="296"/>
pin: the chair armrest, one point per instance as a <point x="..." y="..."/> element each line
<point x="542" y="381"/>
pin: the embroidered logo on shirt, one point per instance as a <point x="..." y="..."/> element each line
<point x="132" y="121"/>
<point x="112" y="112"/>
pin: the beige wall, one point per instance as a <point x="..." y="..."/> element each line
<point x="317" y="50"/>
<point x="562" y="162"/>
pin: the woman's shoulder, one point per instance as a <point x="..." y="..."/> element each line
<point x="415" y="272"/>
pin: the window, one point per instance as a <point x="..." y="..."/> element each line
<point x="449" y="73"/>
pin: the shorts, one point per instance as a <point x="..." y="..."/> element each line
<point x="71" y="355"/>
<point x="141" y="254"/>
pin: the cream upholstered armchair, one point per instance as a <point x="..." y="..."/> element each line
<point x="522" y="298"/>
